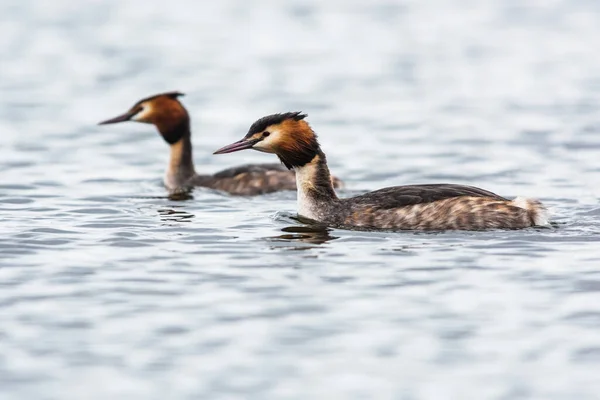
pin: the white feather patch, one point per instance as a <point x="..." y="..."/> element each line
<point x="143" y="113"/>
<point x="306" y="205"/>
<point x="539" y="213"/>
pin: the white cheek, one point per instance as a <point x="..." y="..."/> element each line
<point x="260" y="146"/>
<point x="269" y="144"/>
<point x="262" y="150"/>
<point x="143" y="114"/>
<point x="265" y="145"/>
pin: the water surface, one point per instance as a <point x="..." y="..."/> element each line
<point x="109" y="289"/>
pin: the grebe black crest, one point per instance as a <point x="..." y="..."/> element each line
<point x="420" y="207"/>
<point x="172" y="121"/>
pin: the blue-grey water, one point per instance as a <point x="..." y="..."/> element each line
<point x="110" y="290"/>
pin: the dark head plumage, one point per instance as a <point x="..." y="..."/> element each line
<point x="287" y="134"/>
<point x="299" y="144"/>
<point x="172" y="95"/>
<point x="163" y="110"/>
<point x="274" y="119"/>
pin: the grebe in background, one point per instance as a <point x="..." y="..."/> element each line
<point x="420" y="207"/>
<point x="170" y="117"/>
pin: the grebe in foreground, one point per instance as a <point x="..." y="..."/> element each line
<point x="173" y="122"/>
<point x="420" y="207"/>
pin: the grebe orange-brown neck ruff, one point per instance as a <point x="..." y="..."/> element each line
<point x="420" y="207"/>
<point x="171" y="119"/>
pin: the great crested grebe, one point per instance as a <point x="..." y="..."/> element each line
<point x="170" y="117"/>
<point x="420" y="207"/>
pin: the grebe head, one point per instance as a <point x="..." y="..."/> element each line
<point x="288" y="135"/>
<point x="163" y="111"/>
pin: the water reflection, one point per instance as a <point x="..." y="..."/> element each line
<point x="301" y="237"/>
<point x="173" y="196"/>
<point x="181" y="195"/>
<point x="172" y="214"/>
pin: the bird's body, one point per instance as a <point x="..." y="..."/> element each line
<point x="171" y="119"/>
<point x="418" y="207"/>
<point x="245" y="180"/>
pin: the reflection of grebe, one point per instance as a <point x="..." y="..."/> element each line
<point x="173" y="122"/>
<point x="172" y="215"/>
<point x="424" y="207"/>
<point x="305" y="234"/>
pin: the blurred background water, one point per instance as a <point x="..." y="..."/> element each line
<point x="110" y="290"/>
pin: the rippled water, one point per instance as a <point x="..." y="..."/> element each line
<point x="110" y="290"/>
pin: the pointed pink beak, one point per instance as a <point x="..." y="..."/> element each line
<point x="237" y="146"/>
<point x="121" y="118"/>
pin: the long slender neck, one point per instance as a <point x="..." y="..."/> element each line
<point x="181" y="163"/>
<point x="315" y="190"/>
